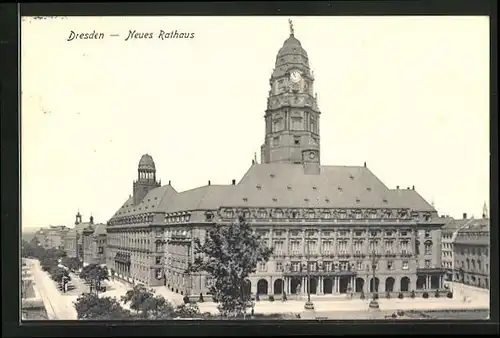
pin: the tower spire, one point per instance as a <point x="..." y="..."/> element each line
<point x="291" y="26"/>
<point x="485" y="210"/>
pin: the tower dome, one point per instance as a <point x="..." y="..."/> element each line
<point x="291" y="56"/>
<point x="147" y="163"/>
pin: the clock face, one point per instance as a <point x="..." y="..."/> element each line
<point x="295" y="76"/>
<point x="311" y="155"/>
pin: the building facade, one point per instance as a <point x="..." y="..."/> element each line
<point x="472" y="254"/>
<point x="73" y="241"/>
<point x="94" y="244"/>
<point x="448" y="236"/>
<point x="52" y="237"/>
<point x="329" y="222"/>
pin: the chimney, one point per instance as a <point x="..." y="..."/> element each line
<point x="234" y="182"/>
<point x="412" y="187"/>
<point x="407" y="188"/>
<point x="365" y="164"/>
<point x="397" y="187"/>
<point x="253" y="162"/>
<point x="465" y="215"/>
<point x="169" y="182"/>
<point x="208" y="182"/>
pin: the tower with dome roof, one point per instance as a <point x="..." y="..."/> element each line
<point x="146" y="178"/>
<point x="292" y="114"/>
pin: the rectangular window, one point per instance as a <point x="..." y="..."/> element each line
<point x="294" y="247"/>
<point x="262" y="266"/>
<point x="296" y="140"/>
<point x="390" y="265"/>
<point x="158" y="260"/>
<point x="279" y="266"/>
<point x="295" y="266"/>
<point x="276" y="141"/>
<point x="359" y="265"/>
<point x="278" y="248"/>
<point x="328" y="266"/>
<point x="427" y="263"/>
<point x="312" y="266"/>
<point x="404" y="265"/>
<point x="344" y="265"/>
<point x="327" y="247"/>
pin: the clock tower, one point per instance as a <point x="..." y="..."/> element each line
<point x="292" y="114"/>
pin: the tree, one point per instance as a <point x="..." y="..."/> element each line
<point x="146" y="304"/>
<point x="94" y="274"/>
<point x="90" y="306"/>
<point x="58" y="273"/>
<point x="72" y="263"/>
<point x="229" y="254"/>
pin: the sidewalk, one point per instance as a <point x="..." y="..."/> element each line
<point x="356" y="305"/>
<point x="56" y="304"/>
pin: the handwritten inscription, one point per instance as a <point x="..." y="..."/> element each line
<point x="85" y="36"/>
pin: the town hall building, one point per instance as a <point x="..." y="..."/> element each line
<point x="330" y="222"/>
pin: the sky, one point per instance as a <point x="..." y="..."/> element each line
<point x="407" y="95"/>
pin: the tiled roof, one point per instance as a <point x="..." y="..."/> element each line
<point x="156" y="199"/>
<point x="480" y="224"/>
<point x="202" y="198"/>
<point x="454" y="224"/>
<point x="284" y="185"/>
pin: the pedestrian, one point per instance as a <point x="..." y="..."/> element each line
<point x="284" y="297"/>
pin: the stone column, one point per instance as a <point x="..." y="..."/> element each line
<point x="320" y="284"/>
<point x="271" y="286"/>
<point x="353" y="284"/>
<point x="289" y="285"/>
<point x="427" y="282"/>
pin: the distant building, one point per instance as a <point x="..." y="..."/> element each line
<point x="94" y="244"/>
<point x="323" y="220"/>
<point x="448" y="235"/>
<point x="52" y="237"/>
<point x="73" y="241"/>
<point x="472" y="253"/>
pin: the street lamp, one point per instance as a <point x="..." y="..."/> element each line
<point x="374" y="303"/>
<point x="308" y="305"/>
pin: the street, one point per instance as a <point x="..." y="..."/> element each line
<point x="58" y="307"/>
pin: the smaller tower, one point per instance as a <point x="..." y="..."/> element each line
<point x="78" y="219"/>
<point x="146" y="178"/>
<point x="91" y="219"/>
<point x="485" y="211"/>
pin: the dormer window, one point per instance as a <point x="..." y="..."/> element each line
<point x="245" y="199"/>
<point x="314" y="187"/>
<point x="258" y="187"/>
<point x="289" y="187"/>
<point x="339" y="188"/>
<point x="327" y="200"/>
<point x="368" y="189"/>
<point x="306" y="199"/>
<point x="351" y="177"/>
<point x="272" y="175"/>
<point x="357" y="200"/>
<point x="275" y="199"/>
